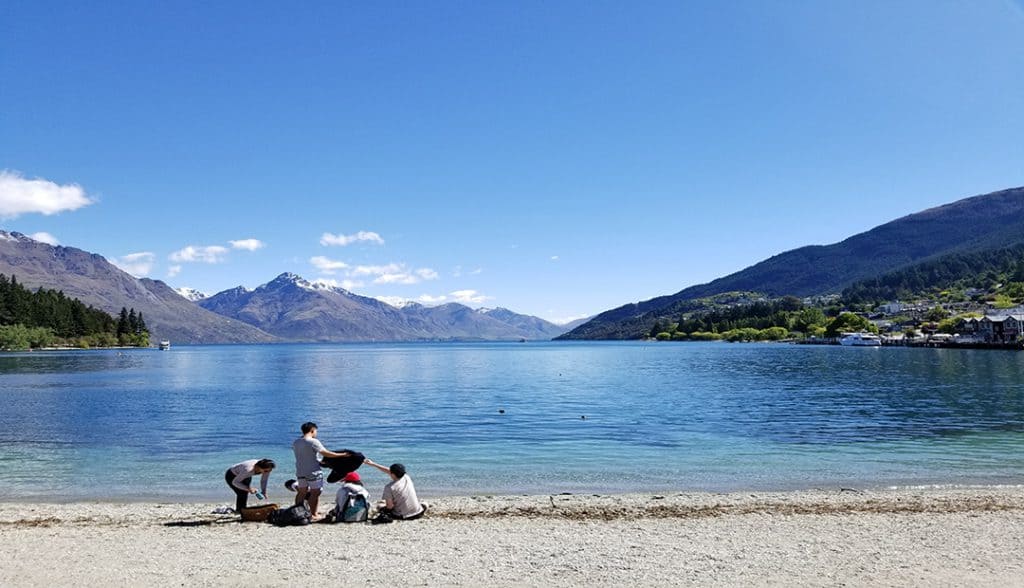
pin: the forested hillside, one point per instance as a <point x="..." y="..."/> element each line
<point x="38" y="319"/>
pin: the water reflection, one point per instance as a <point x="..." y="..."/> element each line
<point x="708" y="416"/>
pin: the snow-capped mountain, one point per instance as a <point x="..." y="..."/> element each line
<point x="191" y="294"/>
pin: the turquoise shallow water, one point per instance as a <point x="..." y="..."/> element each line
<point x="146" y="424"/>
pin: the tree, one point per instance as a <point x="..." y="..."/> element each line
<point x="809" y="317"/>
<point x="848" y="322"/>
<point x="122" y="322"/>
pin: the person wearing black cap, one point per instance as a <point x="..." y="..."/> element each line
<point x="400" y="500"/>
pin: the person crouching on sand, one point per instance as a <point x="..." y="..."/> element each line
<point x="239" y="479"/>
<point x="400" y="500"/>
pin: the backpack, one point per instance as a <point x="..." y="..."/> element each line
<point x="355" y="510"/>
<point x="293" y="515"/>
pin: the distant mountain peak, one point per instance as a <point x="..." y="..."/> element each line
<point x="15" y="236"/>
<point x="191" y="294"/>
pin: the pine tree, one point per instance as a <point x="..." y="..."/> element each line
<point x="122" y="322"/>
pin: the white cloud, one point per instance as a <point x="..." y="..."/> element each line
<point x="377" y="270"/>
<point x="173" y="271"/>
<point x="477" y="271"/>
<point x="554" y="258"/>
<point x="44" y="237"/>
<point x="201" y="254"/>
<point x="21" y="196"/>
<point x="426" y="273"/>
<point x="469" y="297"/>
<point x="428" y="299"/>
<point x="247" y="244"/>
<point x="398" y="274"/>
<point x="327" y="265"/>
<point x="136" y="264"/>
<point x="342" y="240"/>
<point x="400" y="278"/>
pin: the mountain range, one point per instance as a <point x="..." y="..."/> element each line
<point x="95" y="281"/>
<point x="296" y="309"/>
<point x="288" y="308"/>
<point x="976" y="224"/>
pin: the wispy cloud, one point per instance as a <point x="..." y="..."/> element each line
<point x="44" y="237"/>
<point x="428" y="299"/>
<point x="469" y="297"/>
<point x="137" y="264"/>
<point x="426" y="273"/>
<point x="376" y="270"/>
<point x="173" y="271"/>
<point x="328" y="239"/>
<point x="554" y="258"/>
<point x="200" y="254"/>
<point x="326" y="265"/>
<point x="247" y="244"/>
<point x="396" y="273"/>
<point x="19" y="195"/>
<point x="406" y="279"/>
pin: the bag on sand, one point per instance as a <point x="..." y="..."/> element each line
<point x="355" y="510"/>
<point x="258" y="514"/>
<point x="293" y="515"/>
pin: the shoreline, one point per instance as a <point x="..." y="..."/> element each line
<point x="598" y="506"/>
<point x="947" y="536"/>
<point x="445" y="496"/>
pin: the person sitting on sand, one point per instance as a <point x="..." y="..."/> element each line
<point x="239" y="479"/>
<point x="307" y="466"/>
<point x="400" y="500"/>
<point x="352" y="485"/>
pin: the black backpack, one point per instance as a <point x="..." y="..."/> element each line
<point x="293" y="515"/>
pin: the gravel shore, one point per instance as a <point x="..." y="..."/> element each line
<point x="916" y="537"/>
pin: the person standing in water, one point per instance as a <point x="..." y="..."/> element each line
<point x="239" y="479"/>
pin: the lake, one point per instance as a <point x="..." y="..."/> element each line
<point x="578" y="417"/>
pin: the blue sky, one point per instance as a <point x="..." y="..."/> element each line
<point x="558" y="159"/>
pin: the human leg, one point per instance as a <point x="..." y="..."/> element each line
<point x="314" y="501"/>
<point x="241" y="496"/>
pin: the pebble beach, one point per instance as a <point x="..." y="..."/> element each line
<point x="890" y="537"/>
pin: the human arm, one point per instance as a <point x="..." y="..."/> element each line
<point x="241" y="480"/>
<point x="263" y="482"/>
<point x="327" y="453"/>
<point x="372" y="463"/>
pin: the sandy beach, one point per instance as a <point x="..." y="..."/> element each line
<point x="920" y="537"/>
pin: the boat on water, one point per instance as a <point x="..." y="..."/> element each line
<point x="860" y="340"/>
<point x="165" y="345"/>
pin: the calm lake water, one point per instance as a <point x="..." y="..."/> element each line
<point x="145" y="424"/>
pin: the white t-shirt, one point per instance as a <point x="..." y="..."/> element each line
<point x="247" y="469"/>
<point x="402" y="494"/>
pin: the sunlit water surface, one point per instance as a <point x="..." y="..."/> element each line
<point x="144" y="424"/>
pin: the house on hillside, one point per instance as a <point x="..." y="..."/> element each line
<point x="1001" y="328"/>
<point x="968" y="326"/>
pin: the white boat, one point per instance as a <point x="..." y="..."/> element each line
<point x="165" y="345"/>
<point x="860" y="339"/>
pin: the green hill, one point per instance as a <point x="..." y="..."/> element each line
<point x="971" y="225"/>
